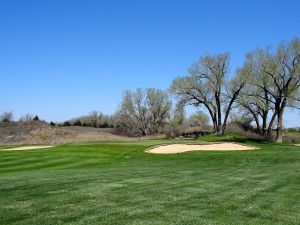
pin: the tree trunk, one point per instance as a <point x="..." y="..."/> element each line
<point x="219" y="113"/>
<point x="279" y="127"/>
<point x="235" y="95"/>
<point x="213" y="118"/>
<point x="264" y="124"/>
<point x="225" y="121"/>
<point x="215" y="127"/>
<point x="269" y="131"/>
<point x="256" y="119"/>
<point x="143" y="131"/>
<point x="216" y="124"/>
<point x="223" y="128"/>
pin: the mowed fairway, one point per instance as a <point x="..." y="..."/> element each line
<point x="118" y="183"/>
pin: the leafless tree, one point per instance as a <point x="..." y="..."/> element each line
<point x="178" y="118"/>
<point x="95" y="118"/>
<point x="159" y="107"/>
<point x="278" y="78"/>
<point x="7" y="117"/>
<point x="198" y="119"/>
<point x="207" y="85"/>
<point x="133" y="114"/>
<point x="255" y="100"/>
<point x="176" y="121"/>
<point x="27" y="118"/>
<point x="144" y="111"/>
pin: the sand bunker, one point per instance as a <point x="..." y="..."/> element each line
<point x="27" y="148"/>
<point x="179" y="148"/>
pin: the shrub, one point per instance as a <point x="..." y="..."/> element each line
<point x="77" y="123"/>
<point x="36" y="118"/>
<point x="105" y="125"/>
<point x="66" y="124"/>
<point x="293" y="129"/>
<point x="293" y="138"/>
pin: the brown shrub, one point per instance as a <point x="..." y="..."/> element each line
<point x="293" y="138"/>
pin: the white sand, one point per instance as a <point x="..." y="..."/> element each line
<point x="27" y="148"/>
<point x="179" y="148"/>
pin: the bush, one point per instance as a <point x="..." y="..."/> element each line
<point x="77" y="123"/>
<point x="172" y="132"/>
<point x="52" y="123"/>
<point x="36" y="118"/>
<point x="66" y="124"/>
<point x="293" y="138"/>
<point x="105" y="125"/>
<point x="293" y="130"/>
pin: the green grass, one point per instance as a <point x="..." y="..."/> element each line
<point x="118" y="183"/>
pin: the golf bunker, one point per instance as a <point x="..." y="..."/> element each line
<point x="179" y="148"/>
<point x="27" y="148"/>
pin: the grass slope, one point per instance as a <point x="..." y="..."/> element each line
<point x="117" y="183"/>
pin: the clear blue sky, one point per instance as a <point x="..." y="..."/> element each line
<point x="61" y="59"/>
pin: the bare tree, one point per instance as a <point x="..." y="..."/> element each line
<point x="159" y="107"/>
<point x="207" y="85"/>
<point x="144" y="111"/>
<point x="94" y="118"/>
<point x="283" y="69"/>
<point x="178" y="117"/>
<point x="27" y="118"/>
<point x="176" y="121"/>
<point x="133" y="114"/>
<point x="6" y="117"/>
<point x="255" y="100"/>
<point x="280" y="70"/>
<point x="198" y="119"/>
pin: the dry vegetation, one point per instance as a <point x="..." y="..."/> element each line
<point x="43" y="133"/>
<point x="291" y="138"/>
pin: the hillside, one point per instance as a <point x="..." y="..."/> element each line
<point x="42" y="133"/>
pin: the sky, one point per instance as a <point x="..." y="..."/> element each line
<point x="61" y="59"/>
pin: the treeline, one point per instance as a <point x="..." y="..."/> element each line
<point x="260" y="91"/>
<point x="144" y="112"/>
<point x="258" y="94"/>
<point x="150" y="111"/>
<point x="93" y="119"/>
<point x="263" y="87"/>
<point x="7" y="117"/>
